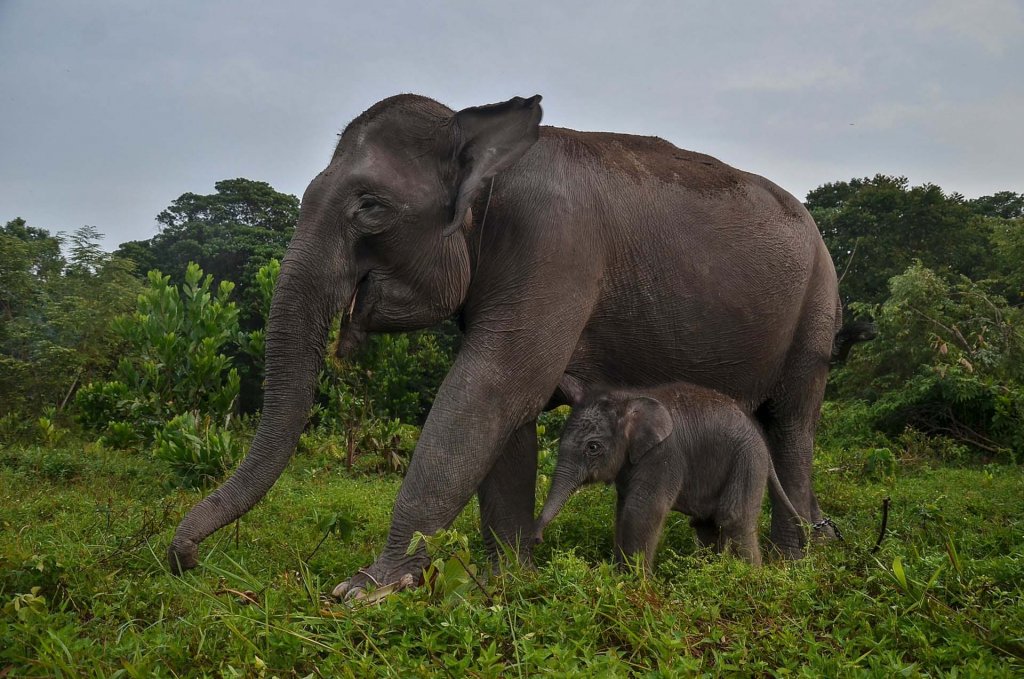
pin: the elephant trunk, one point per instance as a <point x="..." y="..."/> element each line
<point x="305" y="301"/>
<point x="563" y="484"/>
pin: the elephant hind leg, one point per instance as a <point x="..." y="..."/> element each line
<point x="742" y="541"/>
<point x="790" y="417"/>
<point x="508" y="494"/>
<point x="791" y="442"/>
<point x="790" y="422"/>
<point x="708" y="534"/>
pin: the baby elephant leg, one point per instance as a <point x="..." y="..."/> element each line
<point x="708" y="534"/>
<point x="637" y="531"/>
<point x="742" y="541"/>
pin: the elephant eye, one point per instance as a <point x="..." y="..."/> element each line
<point x="368" y="204"/>
<point x="593" y="447"/>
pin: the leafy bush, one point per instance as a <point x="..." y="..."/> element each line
<point x="948" y="361"/>
<point x="56" y="313"/>
<point x="197" y="450"/>
<point x="99" y="403"/>
<point x="549" y="432"/>
<point x="175" y="358"/>
<point x="14" y="427"/>
<point x="47" y="429"/>
<point x="120" y="435"/>
<point x="395" y="376"/>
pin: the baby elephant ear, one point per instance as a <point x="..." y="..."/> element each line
<point x="648" y="423"/>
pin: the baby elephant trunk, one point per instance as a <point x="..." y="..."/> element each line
<point x="563" y="485"/>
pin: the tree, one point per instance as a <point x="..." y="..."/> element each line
<point x="1004" y="204"/>
<point x="230" y="234"/>
<point x="875" y="228"/>
<point x="948" y="360"/>
<point x="56" y="313"/>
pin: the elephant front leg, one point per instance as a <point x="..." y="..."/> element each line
<point x="473" y="423"/>
<point x="637" y="530"/>
<point x="508" y="495"/>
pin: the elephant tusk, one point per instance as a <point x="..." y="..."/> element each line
<point x="352" y="303"/>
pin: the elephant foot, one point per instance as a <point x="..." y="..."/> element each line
<point x="182" y="555"/>
<point x="383" y="580"/>
<point x="826" y="529"/>
<point x="356" y="594"/>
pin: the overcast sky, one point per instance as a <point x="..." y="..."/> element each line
<point x="110" y="110"/>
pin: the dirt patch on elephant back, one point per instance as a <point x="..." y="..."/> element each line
<point x="644" y="158"/>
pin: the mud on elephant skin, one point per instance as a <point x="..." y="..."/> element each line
<point x="617" y="259"/>
<point x="680" y="447"/>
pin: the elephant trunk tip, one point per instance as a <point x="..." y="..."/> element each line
<point x="182" y="555"/>
<point x="538" y="531"/>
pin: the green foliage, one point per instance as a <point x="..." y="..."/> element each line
<point x="48" y="431"/>
<point x="197" y="450"/>
<point x="949" y="360"/>
<point x="1004" y="205"/>
<point x="395" y="376"/>
<point x="549" y="432"/>
<point x="253" y="343"/>
<point x="879" y="464"/>
<point x="875" y="228"/>
<point x="14" y="427"/>
<point x="230" y="234"/>
<point x="120" y="435"/>
<point x="1008" y="245"/>
<point x="451" y="572"/>
<point x="175" y="358"/>
<point x="97" y="404"/>
<point x="55" y="314"/>
<point x="94" y="546"/>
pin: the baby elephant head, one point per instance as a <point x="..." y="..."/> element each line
<point x="599" y="438"/>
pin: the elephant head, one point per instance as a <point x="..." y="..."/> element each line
<point x="599" y="439"/>
<point x="382" y="238"/>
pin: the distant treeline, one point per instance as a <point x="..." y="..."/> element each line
<point x="83" y="333"/>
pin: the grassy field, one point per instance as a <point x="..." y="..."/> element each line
<point x="84" y="589"/>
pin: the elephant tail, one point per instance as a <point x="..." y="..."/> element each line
<point x="779" y="497"/>
<point x="851" y="333"/>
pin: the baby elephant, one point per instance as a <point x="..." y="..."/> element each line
<point x="679" y="447"/>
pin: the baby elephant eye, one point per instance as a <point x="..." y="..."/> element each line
<point x="593" y="447"/>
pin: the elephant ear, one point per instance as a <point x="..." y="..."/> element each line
<point x="647" y="423"/>
<point x="571" y="389"/>
<point x="490" y="138"/>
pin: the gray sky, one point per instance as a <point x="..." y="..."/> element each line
<point x="112" y="109"/>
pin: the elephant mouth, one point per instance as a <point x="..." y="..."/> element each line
<point x="352" y="332"/>
<point x="349" y="310"/>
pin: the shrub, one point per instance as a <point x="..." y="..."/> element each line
<point x="175" y="359"/>
<point x="394" y="376"/>
<point x="948" y="361"/>
<point x="99" y="403"/>
<point x="14" y="426"/>
<point x="196" y="449"/>
<point x="549" y="432"/>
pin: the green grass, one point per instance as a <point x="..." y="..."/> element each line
<point x="86" y="529"/>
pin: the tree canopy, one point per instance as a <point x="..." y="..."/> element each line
<point x="230" y="234"/>
<point x="877" y="227"/>
<point x="56" y="312"/>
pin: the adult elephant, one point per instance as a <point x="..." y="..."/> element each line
<point x="611" y="258"/>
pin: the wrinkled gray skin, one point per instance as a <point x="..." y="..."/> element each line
<point x="617" y="259"/>
<point x="678" y="447"/>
